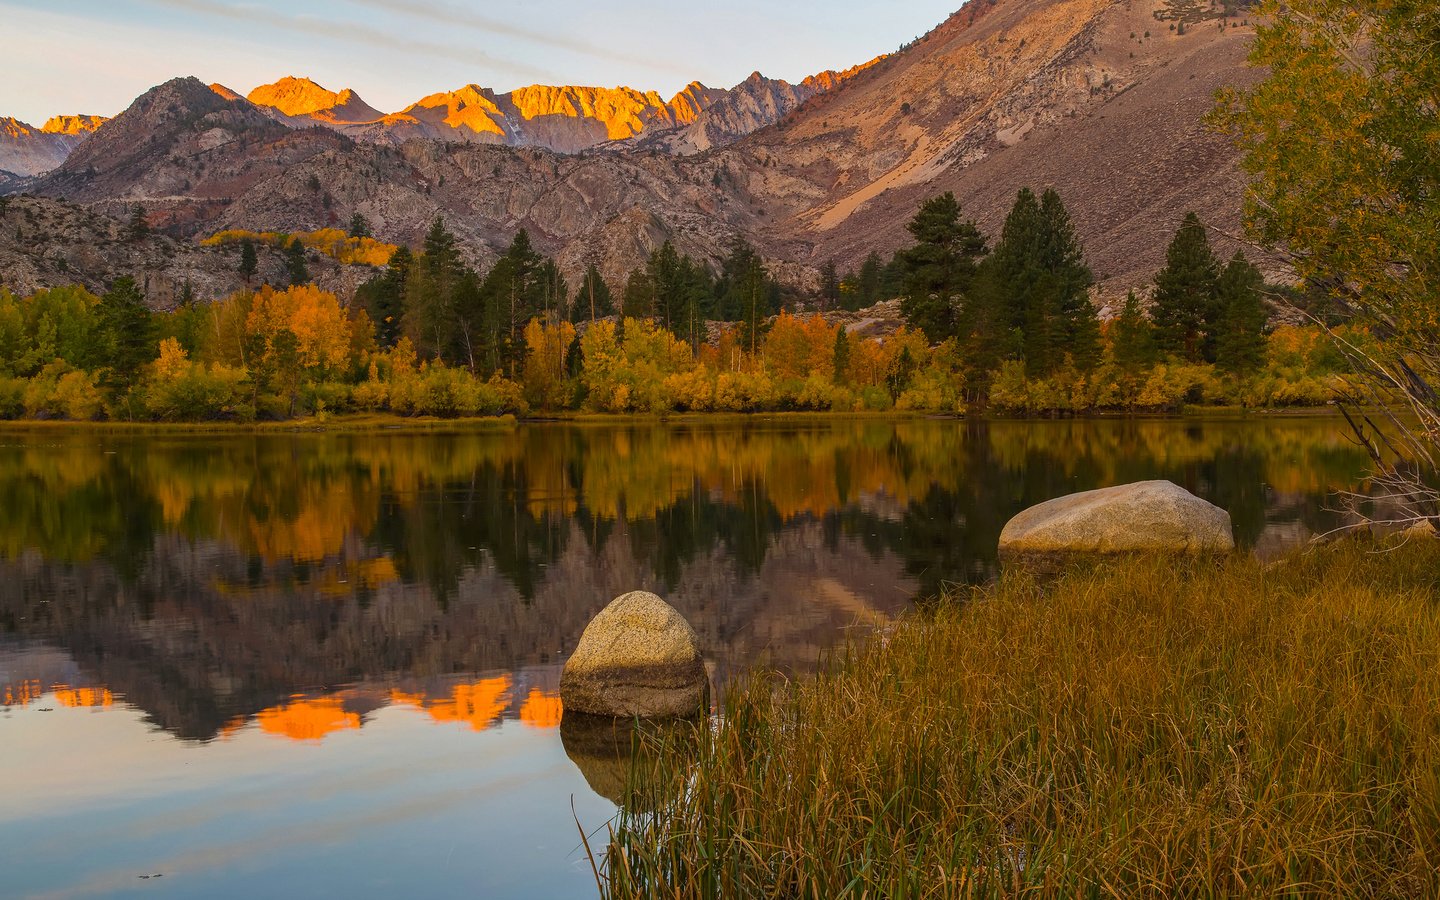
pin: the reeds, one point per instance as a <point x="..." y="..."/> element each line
<point x="1146" y="727"/>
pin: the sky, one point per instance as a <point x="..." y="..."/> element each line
<point x="96" y="56"/>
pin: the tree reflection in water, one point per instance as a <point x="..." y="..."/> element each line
<point x="216" y="580"/>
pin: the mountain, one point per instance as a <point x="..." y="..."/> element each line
<point x="26" y="150"/>
<point x="297" y="98"/>
<point x="1096" y="98"/>
<point x="564" y="119"/>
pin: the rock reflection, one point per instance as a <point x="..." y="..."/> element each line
<point x="611" y="752"/>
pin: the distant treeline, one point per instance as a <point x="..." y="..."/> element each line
<point x="1010" y="327"/>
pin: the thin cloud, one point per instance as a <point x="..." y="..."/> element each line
<point x="449" y="14"/>
<point x="353" y="33"/>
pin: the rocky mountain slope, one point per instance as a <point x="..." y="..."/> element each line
<point x="26" y="150"/>
<point x="1100" y="99"/>
<point x="51" y="242"/>
<point x="564" y="119"/>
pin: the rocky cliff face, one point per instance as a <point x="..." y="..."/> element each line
<point x="26" y="150"/>
<point x="1096" y="98"/>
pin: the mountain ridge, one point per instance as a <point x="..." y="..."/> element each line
<point x="1004" y="94"/>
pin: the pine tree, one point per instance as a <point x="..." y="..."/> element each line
<point x="1064" y="262"/>
<point x="745" y="293"/>
<point x="1032" y="295"/>
<point x="940" y="267"/>
<point x="1133" y="345"/>
<point x="359" y="226"/>
<point x="139" y="226"/>
<point x="295" y="265"/>
<point x="829" y="287"/>
<point x="249" y="262"/>
<point x="1240" y="335"/>
<point x="1185" y="308"/>
<point x="638" y="299"/>
<point x="867" y="292"/>
<point x="593" y="300"/>
<point x="841" y="356"/>
<point x="431" y="317"/>
<point x="383" y="298"/>
<point x="128" y="328"/>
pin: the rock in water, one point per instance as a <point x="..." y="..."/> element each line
<point x="638" y="657"/>
<point x="1148" y="517"/>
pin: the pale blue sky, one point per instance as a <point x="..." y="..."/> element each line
<point x="95" y="56"/>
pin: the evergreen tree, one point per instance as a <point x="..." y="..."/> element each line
<point x="128" y="327"/>
<point x="1064" y="261"/>
<point x="295" y="265"/>
<point x="249" y="262"/>
<point x="867" y="292"/>
<point x="829" y="287"/>
<point x="139" y="226"/>
<point x="745" y="292"/>
<point x="383" y="298"/>
<point x="1031" y="299"/>
<point x="593" y="300"/>
<point x="1240" y="335"/>
<point x="1185" y="309"/>
<point x="638" y="300"/>
<point x="940" y="267"/>
<point x="1133" y="344"/>
<point x="431" y="318"/>
<point x="841" y="356"/>
<point x="359" y="226"/>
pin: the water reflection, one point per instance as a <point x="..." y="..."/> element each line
<point x="253" y="596"/>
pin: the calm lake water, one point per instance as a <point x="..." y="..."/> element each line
<point x="327" y="665"/>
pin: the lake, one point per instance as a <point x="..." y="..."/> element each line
<point x="328" y="664"/>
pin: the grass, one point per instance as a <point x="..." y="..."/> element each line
<point x="1150" y="728"/>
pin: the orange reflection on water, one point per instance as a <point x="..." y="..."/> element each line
<point x="77" y="698"/>
<point x="480" y="704"/>
<point x="307" y="719"/>
<point x="24" y="693"/>
<point x="541" y="710"/>
<point x="29" y="690"/>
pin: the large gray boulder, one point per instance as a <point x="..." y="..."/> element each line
<point x="638" y="657"/>
<point x="1148" y="517"/>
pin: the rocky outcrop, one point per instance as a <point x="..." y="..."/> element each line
<point x="637" y="658"/>
<point x="26" y="150"/>
<point x="1147" y="517"/>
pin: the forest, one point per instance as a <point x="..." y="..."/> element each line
<point x="1007" y="326"/>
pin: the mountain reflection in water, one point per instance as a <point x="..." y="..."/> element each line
<point x="238" y="593"/>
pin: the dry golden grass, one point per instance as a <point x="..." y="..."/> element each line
<point x="1148" y="727"/>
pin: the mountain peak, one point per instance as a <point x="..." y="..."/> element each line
<point x="73" y="125"/>
<point x="294" y="96"/>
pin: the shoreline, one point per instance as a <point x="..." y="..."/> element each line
<point x="393" y="424"/>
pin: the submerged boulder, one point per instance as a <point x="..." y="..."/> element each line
<point x="638" y="657"/>
<point x="1148" y="517"/>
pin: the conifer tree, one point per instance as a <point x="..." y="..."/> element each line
<point x="593" y="300"/>
<point x="1240" y="335"/>
<point x="638" y="299"/>
<point x="1133" y="345"/>
<point x="359" y="226"/>
<point x="939" y="268"/>
<point x="383" y="297"/>
<point x="867" y="292"/>
<point x="841" y="357"/>
<point x="745" y="292"/>
<point x="295" y="265"/>
<point x="128" y="328"/>
<point x="1185" y="293"/>
<point x="829" y="287"/>
<point x="139" y="226"/>
<point x="249" y="262"/>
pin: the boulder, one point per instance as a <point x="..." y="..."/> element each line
<point x="1148" y="517"/>
<point x="637" y="658"/>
